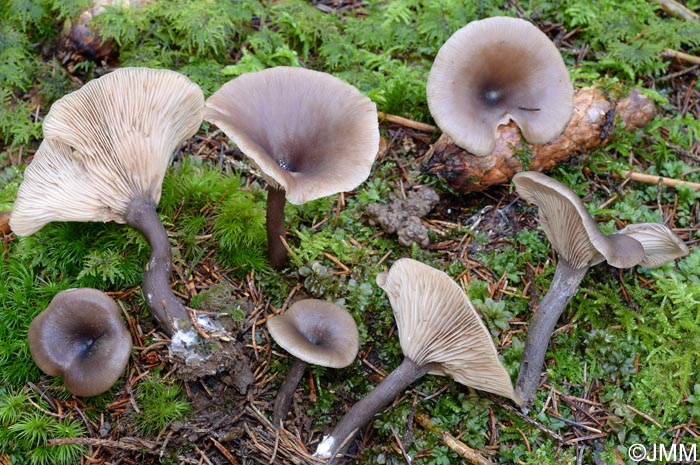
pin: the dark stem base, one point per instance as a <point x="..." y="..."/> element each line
<point x="360" y="413"/>
<point x="156" y="279"/>
<point x="276" y="252"/>
<point x="285" y="394"/>
<point x="563" y="287"/>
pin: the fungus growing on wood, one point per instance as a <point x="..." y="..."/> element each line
<point x="313" y="331"/>
<point x="105" y="151"/>
<point x="81" y="337"/>
<point x="440" y="333"/>
<point x="579" y="244"/>
<point x="311" y="134"/>
<point x="495" y="70"/>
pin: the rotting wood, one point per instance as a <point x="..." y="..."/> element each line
<point x="591" y="125"/>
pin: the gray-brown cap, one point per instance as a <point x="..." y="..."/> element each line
<point x="660" y="244"/>
<point x="317" y="332"/>
<point x="438" y="326"/>
<point x="495" y="70"/>
<point x="309" y="132"/>
<point x="82" y="337"/>
<point x="105" y="144"/>
<point x="572" y="231"/>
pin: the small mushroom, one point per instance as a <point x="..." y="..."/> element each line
<point x="579" y="243"/>
<point x="81" y="336"/>
<point x="313" y="331"/>
<point x="495" y="70"/>
<point x="311" y="134"/>
<point x="104" y="155"/>
<point x="440" y="333"/>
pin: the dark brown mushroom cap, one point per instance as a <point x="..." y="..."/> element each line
<point x="309" y="132"/>
<point x="495" y="70"/>
<point x="660" y="244"/>
<point x="82" y="337"/>
<point x="104" y="145"/>
<point x="572" y="231"/>
<point x="317" y="332"/>
<point x="439" y="327"/>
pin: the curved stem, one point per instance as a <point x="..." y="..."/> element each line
<point x="276" y="253"/>
<point x="360" y="413"/>
<point x="156" y="279"/>
<point x="285" y="393"/>
<point x="561" y="290"/>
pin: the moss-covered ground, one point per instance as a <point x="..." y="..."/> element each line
<point x="623" y="365"/>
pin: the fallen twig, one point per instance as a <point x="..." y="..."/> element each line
<point x="664" y="181"/>
<point x="453" y="443"/>
<point x="677" y="10"/>
<point x="409" y="123"/>
<point x="669" y="53"/>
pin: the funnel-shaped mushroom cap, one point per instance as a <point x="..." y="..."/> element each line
<point x="309" y="132"/>
<point x="106" y="144"/>
<point x="570" y="228"/>
<point x="494" y="70"/>
<point x="439" y="326"/>
<point x="660" y="244"/>
<point x="317" y="332"/>
<point x="81" y="336"/>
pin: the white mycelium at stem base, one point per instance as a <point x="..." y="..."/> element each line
<point x="104" y="155"/>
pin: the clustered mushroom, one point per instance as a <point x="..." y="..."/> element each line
<point x="440" y="333"/>
<point x="104" y="155"/>
<point x="107" y="147"/>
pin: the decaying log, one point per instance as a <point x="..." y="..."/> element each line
<point x="593" y="121"/>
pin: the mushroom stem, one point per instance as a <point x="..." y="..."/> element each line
<point x="156" y="279"/>
<point x="276" y="253"/>
<point x="360" y="413"/>
<point x="286" y="391"/>
<point x="563" y="287"/>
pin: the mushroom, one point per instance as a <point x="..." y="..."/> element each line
<point x="660" y="244"/>
<point x="105" y="151"/>
<point x="495" y="70"/>
<point x="579" y="243"/>
<point x="313" y="331"/>
<point x="440" y="333"/>
<point x="81" y="336"/>
<point x="311" y="135"/>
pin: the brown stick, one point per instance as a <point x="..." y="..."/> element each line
<point x="409" y="123"/>
<point x="654" y="179"/>
<point x="677" y="10"/>
<point x="592" y="123"/>
<point x="457" y="446"/>
<point x="669" y="53"/>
